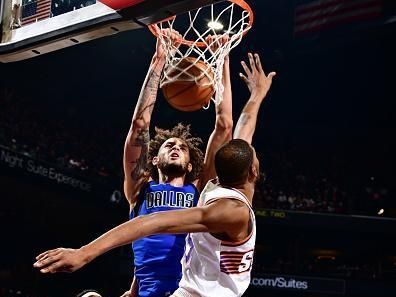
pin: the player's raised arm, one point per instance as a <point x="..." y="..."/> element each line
<point x="258" y="84"/>
<point x="223" y="126"/>
<point x="137" y="140"/>
<point x="219" y="216"/>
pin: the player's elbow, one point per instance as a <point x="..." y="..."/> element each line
<point x="139" y="124"/>
<point x="224" y="124"/>
<point x="137" y="127"/>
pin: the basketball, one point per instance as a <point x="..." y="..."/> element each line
<point x="186" y="94"/>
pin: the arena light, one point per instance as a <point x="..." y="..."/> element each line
<point x="215" y="25"/>
<point x="325" y="257"/>
<point x="381" y="212"/>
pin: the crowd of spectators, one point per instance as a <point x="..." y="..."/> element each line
<point x="63" y="6"/>
<point x="300" y="180"/>
<point x="64" y="140"/>
<point x="22" y="9"/>
<point x="330" y="267"/>
<point x="296" y="178"/>
<point x="288" y="187"/>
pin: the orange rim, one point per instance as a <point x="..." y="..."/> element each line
<point x="241" y="3"/>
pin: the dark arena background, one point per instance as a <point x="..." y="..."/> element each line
<point x="326" y="210"/>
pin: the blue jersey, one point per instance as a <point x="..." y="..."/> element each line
<point x="157" y="257"/>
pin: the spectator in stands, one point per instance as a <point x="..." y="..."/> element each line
<point x="16" y="14"/>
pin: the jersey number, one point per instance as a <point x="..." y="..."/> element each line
<point x="246" y="262"/>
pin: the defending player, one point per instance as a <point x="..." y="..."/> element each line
<point x="166" y="173"/>
<point x="221" y="228"/>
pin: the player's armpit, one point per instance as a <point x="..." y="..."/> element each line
<point x="227" y="215"/>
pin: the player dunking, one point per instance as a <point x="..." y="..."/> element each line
<point x="221" y="227"/>
<point x="163" y="174"/>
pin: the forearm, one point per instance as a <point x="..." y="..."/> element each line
<point x="224" y="109"/>
<point x="135" y="153"/>
<point x="217" y="217"/>
<point x="148" y="95"/>
<point x="173" y="222"/>
<point x="118" y="236"/>
<point x="135" y="162"/>
<point x="246" y="124"/>
<point x="137" y="140"/>
<point x="223" y="128"/>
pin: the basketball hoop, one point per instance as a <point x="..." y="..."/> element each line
<point x="232" y="18"/>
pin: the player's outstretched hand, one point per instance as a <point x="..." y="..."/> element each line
<point x="60" y="260"/>
<point x="256" y="80"/>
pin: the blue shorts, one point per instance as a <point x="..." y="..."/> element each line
<point x="149" y="287"/>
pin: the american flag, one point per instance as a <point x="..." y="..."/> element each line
<point x="321" y="15"/>
<point x="35" y="10"/>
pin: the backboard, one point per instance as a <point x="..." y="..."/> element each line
<point x="87" y="23"/>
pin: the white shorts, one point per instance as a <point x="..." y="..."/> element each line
<point x="183" y="293"/>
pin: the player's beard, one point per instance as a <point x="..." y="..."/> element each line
<point x="172" y="169"/>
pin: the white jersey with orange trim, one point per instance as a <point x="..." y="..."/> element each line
<point x="212" y="267"/>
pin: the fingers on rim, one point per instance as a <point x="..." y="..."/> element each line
<point x="209" y="40"/>
<point x="173" y="35"/>
<point x="157" y="30"/>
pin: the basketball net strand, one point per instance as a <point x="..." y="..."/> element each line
<point x="214" y="60"/>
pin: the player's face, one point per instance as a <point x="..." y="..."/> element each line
<point x="174" y="157"/>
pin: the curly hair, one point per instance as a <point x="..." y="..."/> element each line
<point x="182" y="132"/>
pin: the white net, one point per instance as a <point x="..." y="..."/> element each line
<point x="226" y="23"/>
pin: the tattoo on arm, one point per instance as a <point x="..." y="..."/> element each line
<point x="142" y="141"/>
<point x="142" y="116"/>
<point x="148" y="96"/>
